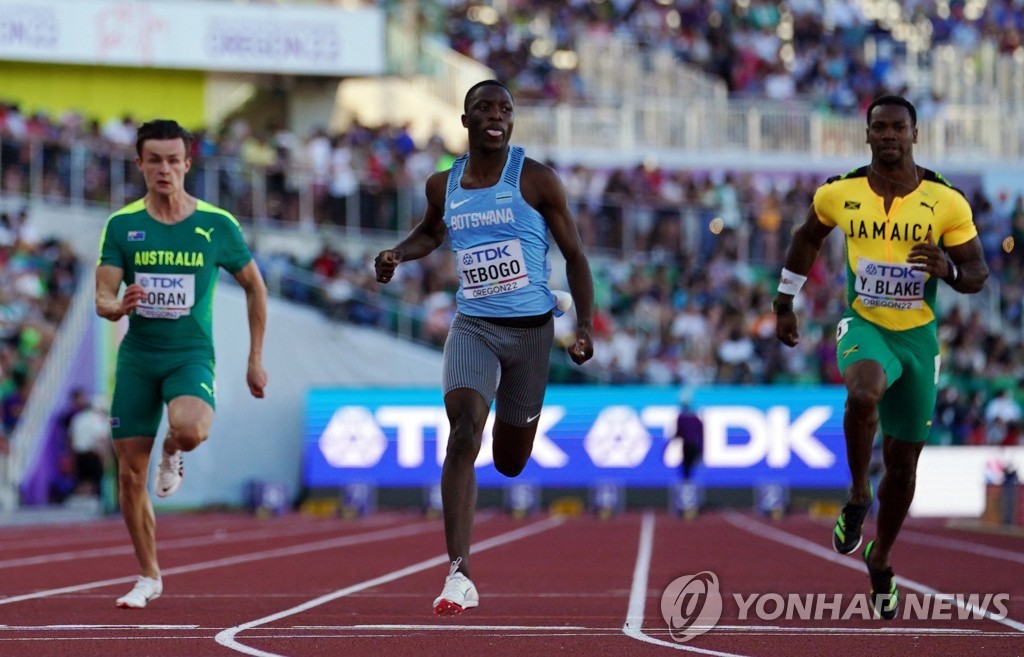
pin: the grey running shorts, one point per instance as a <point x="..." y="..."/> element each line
<point x="507" y="365"/>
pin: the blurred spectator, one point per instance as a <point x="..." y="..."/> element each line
<point x="77" y="402"/>
<point x="13" y="403"/>
<point x="689" y="430"/>
<point x="89" y="433"/>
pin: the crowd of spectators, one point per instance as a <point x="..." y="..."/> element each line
<point x="37" y="281"/>
<point x="679" y="311"/>
<point x="835" y="54"/>
<point x="677" y="304"/>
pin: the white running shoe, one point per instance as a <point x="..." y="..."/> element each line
<point x="169" y="474"/>
<point x="145" y="589"/>
<point x="458" y="594"/>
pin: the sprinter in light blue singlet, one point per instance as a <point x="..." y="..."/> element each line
<point x="497" y="207"/>
<point x="500" y="243"/>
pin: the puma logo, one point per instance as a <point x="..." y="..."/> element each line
<point x="851" y="350"/>
<point x="930" y="207"/>
<point x="203" y="385"/>
<point x="204" y="233"/>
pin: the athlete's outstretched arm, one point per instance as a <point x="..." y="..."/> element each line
<point x="425" y="236"/>
<point x="108" y="284"/>
<point x="544" y="191"/>
<point x="256" y="305"/>
<point x="803" y="251"/>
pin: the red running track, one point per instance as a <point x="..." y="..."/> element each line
<point x="300" y="587"/>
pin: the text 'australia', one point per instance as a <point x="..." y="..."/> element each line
<point x="171" y="258"/>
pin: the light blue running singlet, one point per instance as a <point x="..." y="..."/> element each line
<point x="500" y="244"/>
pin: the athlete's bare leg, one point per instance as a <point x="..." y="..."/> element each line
<point x="189" y="419"/>
<point x="865" y="384"/>
<point x="136" y="508"/>
<point x="512" y="447"/>
<point x="467" y="413"/>
<point x="895" y="493"/>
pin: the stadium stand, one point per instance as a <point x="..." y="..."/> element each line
<point x="37" y="280"/>
<point x="836" y="55"/>
<point x="677" y="303"/>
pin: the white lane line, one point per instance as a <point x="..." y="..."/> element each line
<point x="46" y="628"/>
<point x="210" y="538"/>
<point x="227" y="637"/>
<point x="275" y="632"/>
<point x="102" y="534"/>
<point x="962" y="546"/>
<point x="189" y="529"/>
<point x="638" y="590"/>
<point x="638" y="595"/>
<point x="767" y="531"/>
<point x="736" y="629"/>
<point x="953" y="544"/>
<point x="745" y="629"/>
<point x="174" y="637"/>
<point x="458" y="628"/>
<point x="328" y="544"/>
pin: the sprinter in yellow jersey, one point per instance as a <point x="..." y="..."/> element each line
<point x="905" y="228"/>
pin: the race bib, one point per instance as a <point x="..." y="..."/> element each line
<point x="889" y="285"/>
<point x="168" y="296"/>
<point x="492" y="269"/>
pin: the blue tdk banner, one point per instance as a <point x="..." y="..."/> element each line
<point x="752" y="435"/>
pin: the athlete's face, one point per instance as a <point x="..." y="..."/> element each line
<point x="890" y="134"/>
<point x="163" y="164"/>
<point x="489" y="118"/>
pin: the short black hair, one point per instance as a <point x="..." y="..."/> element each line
<point x="162" y="129"/>
<point x="482" y="83"/>
<point x="893" y="100"/>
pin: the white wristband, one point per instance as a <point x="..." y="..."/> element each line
<point x="791" y="282"/>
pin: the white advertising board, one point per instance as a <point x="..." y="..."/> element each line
<point x="951" y="481"/>
<point x="209" y="36"/>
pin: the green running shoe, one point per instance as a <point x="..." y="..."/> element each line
<point x="885" y="596"/>
<point x="846" y="536"/>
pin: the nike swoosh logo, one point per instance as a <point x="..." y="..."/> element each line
<point x="207" y="388"/>
<point x="531" y="419"/>
<point x="454" y="205"/>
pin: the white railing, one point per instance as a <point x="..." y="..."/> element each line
<point x="983" y="76"/>
<point x="643" y="101"/>
<point x="615" y="70"/>
<point x="675" y="131"/>
<point x="447" y="74"/>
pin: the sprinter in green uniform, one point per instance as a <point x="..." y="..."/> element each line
<point x="166" y="249"/>
<point x="906" y="228"/>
